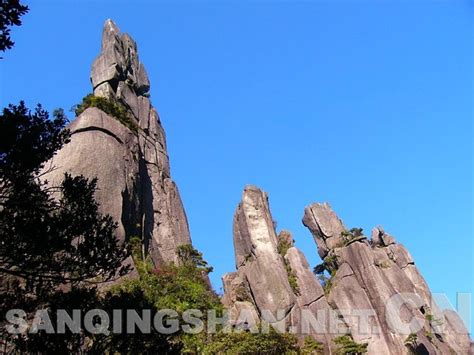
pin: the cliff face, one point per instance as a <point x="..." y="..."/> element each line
<point x="130" y="161"/>
<point x="371" y="288"/>
<point x="374" y="291"/>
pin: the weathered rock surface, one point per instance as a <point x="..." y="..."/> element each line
<point x="265" y="265"/>
<point x="325" y="226"/>
<point x="257" y="256"/>
<point x="374" y="292"/>
<point x="273" y="281"/>
<point x="373" y="275"/>
<point x="132" y="165"/>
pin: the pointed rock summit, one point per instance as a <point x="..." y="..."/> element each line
<point x="273" y="282"/>
<point x="129" y="158"/>
<point x="371" y="290"/>
<point x="366" y="290"/>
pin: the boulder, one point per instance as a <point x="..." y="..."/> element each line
<point x="325" y="226"/>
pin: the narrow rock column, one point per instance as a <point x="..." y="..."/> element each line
<point x="273" y="275"/>
<point x="128" y="156"/>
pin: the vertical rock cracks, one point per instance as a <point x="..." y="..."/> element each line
<point x="273" y="281"/>
<point x="366" y="277"/>
<point x="132" y="165"/>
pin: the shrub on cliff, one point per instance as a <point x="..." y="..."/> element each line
<point x="110" y="107"/>
<point x="346" y="345"/>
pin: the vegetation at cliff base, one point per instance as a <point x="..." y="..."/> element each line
<point x="312" y="347"/>
<point x="346" y="345"/>
<point x="55" y="245"/>
<point x="247" y="343"/>
<point x="182" y="286"/>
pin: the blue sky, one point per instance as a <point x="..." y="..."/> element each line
<point x="364" y="104"/>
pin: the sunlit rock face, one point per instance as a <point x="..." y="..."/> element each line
<point x="377" y="274"/>
<point x="130" y="160"/>
<point x="264" y="263"/>
<point x="273" y="280"/>
<point x="375" y="292"/>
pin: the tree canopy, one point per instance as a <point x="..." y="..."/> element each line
<point x="10" y="15"/>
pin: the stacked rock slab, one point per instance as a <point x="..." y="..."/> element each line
<point x="371" y="275"/>
<point x="260" y="289"/>
<point x="130" y="162"/>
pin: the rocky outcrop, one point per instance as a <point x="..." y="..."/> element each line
<point x="372" y="288"/>
<point x="130" y="161"/>
<point x="379" y="276"/>
<point x="273" y="279"/>
<point x="257" y="257"/>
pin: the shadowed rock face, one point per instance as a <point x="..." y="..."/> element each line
<point x="132" y="167"/>
<point x="375" y="290"/>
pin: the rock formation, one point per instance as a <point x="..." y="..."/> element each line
<point x="374" y="292"/>
<point x="371" y="288"/>
<point x="130" y="161"/>
<point x="273" y="278"/>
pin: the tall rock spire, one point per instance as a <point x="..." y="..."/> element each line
<point x="364" y="279"/>
<point x="130" y="160"/>
<point x="273" y="282"/>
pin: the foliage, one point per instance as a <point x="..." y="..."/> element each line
<point x="326" y="271"/>
<point x="45" y="241"/>
<point x="411" y="340"/>
<point x="329" y="264"/>
<point x="429" y="335"/>
<point x="311" y="346"/>
<point x="110" y="107"/>
<point x="356" y="232"/>
<point x="42" y="343"/>
<point x="177" y="287"/>
<point x="248" y="257"/>
<point x="292" y="278"/>
<point x="327" y="281"/>
<point x="283" y="246"/>
<point x="27" y="140"/>
<point x="348" y="346"/>
<point x="10" y="13"/>
<point x="349" y="236"/>
<point x="182" y="287"/>
<point x="49" y="243"/>
<point x="189" y="256"/>
<point x="252" y="343"/>
<point x="384" y="264"/>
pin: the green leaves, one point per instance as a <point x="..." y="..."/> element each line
<point x="348" y="346"/>
<point x="189" y="256"/>
<point x="253" y="343"/>
<point x="312" y="347"/>
<point x="110" y="107"/>
<point x="11" y="11"/>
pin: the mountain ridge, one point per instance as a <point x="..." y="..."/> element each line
<point x="136" y="189"/>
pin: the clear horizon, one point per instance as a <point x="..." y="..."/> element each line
<point x="365" y="105"/>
